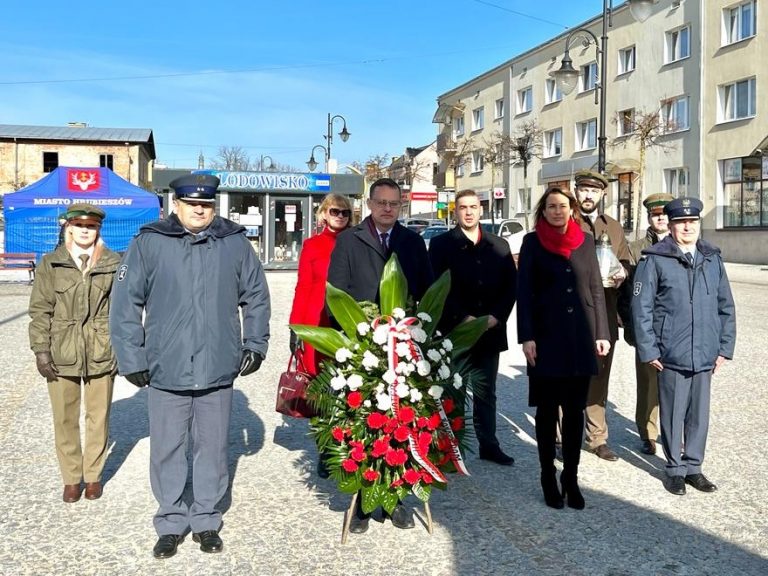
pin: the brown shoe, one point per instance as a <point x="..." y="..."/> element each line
<point x="605" y="453"/>
<point x="649" y="447"/>
<point x="72" y="492"/>
<point x="93" y="490"/>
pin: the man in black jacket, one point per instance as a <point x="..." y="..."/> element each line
<point x="357" y="263"/>
<point x="483" y="282"/>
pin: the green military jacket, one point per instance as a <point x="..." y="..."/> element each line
<point x="70" y="313"/>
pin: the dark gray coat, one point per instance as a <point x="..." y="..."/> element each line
<point x="561" y="306"/>
<point x="683" y="316"/>
<point x="192" y="288"/>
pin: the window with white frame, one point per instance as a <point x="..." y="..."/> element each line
<point x="678" y="44"/>
<point x="626" y="60"/>
<point x="674" y="114"/>
<point x="524" y="100"/>
<point x="551" y="92"/>
<point x="553" y="142"/>
<point x="586" y="135"/>
<point x="588" y="77"/>
<point x="676" y="181"/>
<point x="478" y="118"/>
<point x="499" y="109"/>
<point x="737" y="100"/>
<point x="739" y="22"/>
<point x="524" y="200"/>
<point x="478" y="162"/>
<point x="458" y="126"/>
<point x="625" y="122"/>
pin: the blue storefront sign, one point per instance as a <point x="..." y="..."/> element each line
<point x="272" y="181"/>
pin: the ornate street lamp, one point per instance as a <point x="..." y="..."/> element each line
<point x="344" y="135"/>
<point x="641" y="9"/>
<point x="312" y="163"/>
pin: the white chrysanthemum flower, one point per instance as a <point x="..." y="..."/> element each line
<point x="403" y="336"/>
<point x="416" y="395"/>
<point x="398" y="313"/>
<point x="380" y="387"/>
<point x="383" y="402"/>
<point x="447" y="345"/>
<point x="438" y="333"/>
<point x="409" y="368"/>
<point x="443" y="372"/>
<point x="370" y="360"/>
<point x="338" y="382"/>
<point x="401" y="378"/>
<point x="400" y="368"/>
<point x="380" y="334"/>
<point x="418" y="334"/>
<point x="389" y="376"/>
<point x="402" y="390"/>
<point x="363" y="328"/>
<point x="457" y="380"/>
<point x="367" y="403"/>
<point x="433" y="355"/>
<point x="435" y="391"/>
<point x="354" y="382"/>
<point x="424" y="317"/>
<point x="343" y="354"/>
<point x="423" y="367"/>
<point x="403" y="350"/>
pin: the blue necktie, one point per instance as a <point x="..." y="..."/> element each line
<point x="385" y="240"/>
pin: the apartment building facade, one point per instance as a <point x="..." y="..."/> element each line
<point x="691" y="73"/>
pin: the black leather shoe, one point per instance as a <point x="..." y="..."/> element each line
<point x="700" y="482"/>
<point x="209" y="541"/>
<point x="572" y="494"/>
<point x="649" y="447"/>
<point x="402" y="517"/>
<point x="359" y="525"/>
<point x="166" y="546"/>
<point x="605" y="453"/>
<point x="495" y="454"/>
<point x="676" y="485"/>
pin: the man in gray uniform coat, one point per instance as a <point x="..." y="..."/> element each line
<point x="190" y="275"/>
<point x="685" y="327"/>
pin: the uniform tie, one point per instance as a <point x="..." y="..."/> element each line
<point x="385" y="240"/>
<point x="689" y="257"/>
<point x="84" y="258"/>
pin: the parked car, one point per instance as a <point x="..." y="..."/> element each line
<point x="431" y="232"/>
<point x="511" y="230"/>
<point x="420" y="224"/>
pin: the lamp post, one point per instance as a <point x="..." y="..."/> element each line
<point x="344" y="135"/>
<point x="261" y="163"/>
<point x="312" y="163"/>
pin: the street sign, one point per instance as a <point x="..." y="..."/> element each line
<point x="442" y="205"/>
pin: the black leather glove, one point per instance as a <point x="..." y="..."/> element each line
<point x="45" y="366"/>
<point x="294" y="342"/>
<point x="139" y="379"/>
<point x="250" y="362"/>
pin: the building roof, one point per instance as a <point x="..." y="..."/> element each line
<point x="80" y="133"/>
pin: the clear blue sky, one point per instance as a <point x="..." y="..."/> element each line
<point x="261" y="75"/>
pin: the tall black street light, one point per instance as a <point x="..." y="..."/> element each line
<point x="344" y="135"/>
<point x="312" y="163"/>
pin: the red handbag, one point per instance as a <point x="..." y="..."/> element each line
<point x="292" y="389"/>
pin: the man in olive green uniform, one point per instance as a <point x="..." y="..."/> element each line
<point x="647" y="407"/>
<point x="590" y="188"/>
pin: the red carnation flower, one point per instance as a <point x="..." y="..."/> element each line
<point x="422" y="422"/>
<point x="338" y="434"/>
<point x="448" y="405"/>
<point x="426" y="477"/>
<point x="412" y="476"/>
<point x="396" y="483"/>
<point x="349" y="465"/>
<point x="425" y="439"/>
<point x="358" y="454"/>
<point x="354" y="400"/>
<point x="407" y="415"/>
<point x="434" y="421"/>
<point x="396" y="457"/>
<point x="376" y="420"/>
<point x="380" y="447"/>
<point x="390" y="426"/>
<point x="457" y="423"/>
<point x="371" y="475"/>
<point x="356" y="444"/>
<point x="402" y="433"/>
<point x="443" y="443"/>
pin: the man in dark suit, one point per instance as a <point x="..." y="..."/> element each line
<point x="357" y="263"/>
<point x="483" y="282"/>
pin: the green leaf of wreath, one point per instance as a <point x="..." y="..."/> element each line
<point x="372" y="497"/>
<point x="466" y="334"/>
<point x="345" y="310"/>
<point x="421" y="492"/>
<point x="389" y="501"/>
<point x="393" y="288"/>
<point x="434" y="300"/>
<point x="350" y="484"/>
<point x="324" y="340"/>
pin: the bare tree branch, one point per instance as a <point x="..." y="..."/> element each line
<point x="231" y="158"/>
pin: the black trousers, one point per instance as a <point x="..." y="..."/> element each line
<point x="568" y="394"/>
<point x="484" y="367"/>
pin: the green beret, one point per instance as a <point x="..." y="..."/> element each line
<point x="590" y="178"/>
<point x="82" y="212"/>
<point x="655" y="202"/>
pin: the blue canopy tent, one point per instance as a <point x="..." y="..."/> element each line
<point x="32" y="214"/>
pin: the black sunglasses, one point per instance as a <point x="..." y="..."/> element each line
<point x="339" y="212"/>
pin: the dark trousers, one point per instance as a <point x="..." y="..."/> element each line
<point x="684" y="416"/>
<point x="484" y="367"/>
<point x="175" y="418"/>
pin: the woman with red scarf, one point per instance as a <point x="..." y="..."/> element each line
<point x="563" y="327"/>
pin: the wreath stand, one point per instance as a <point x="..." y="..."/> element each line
<point x="351" y="510"/>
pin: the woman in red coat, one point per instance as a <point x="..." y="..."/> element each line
<point x="335" y="215"/>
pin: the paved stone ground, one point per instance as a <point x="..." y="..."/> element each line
<point x="281" y="519"/>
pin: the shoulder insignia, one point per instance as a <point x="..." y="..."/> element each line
<point x="638" y="288"/>
<point x="121" y="272"/>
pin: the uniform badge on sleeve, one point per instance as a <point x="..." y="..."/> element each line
<point x="638" y="288"/>
<point x="121" y="272"/>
